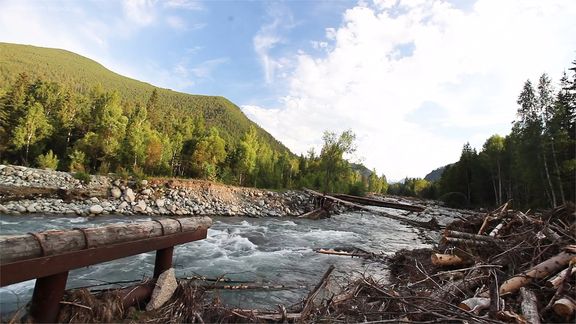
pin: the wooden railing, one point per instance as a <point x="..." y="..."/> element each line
<point x="48" y="256"/>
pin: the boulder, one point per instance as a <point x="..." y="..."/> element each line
<point x="164" y="289"/>
<point x="116" y="192"/>
<point x="144" y="182"/>
<point x="146" y="192"/>
<point x="96" y="209"/>
<point x="160" y="202"/>
<point x="140" y="207"/>
<point x="123" y="205"/>
<point x="129" y="195"/>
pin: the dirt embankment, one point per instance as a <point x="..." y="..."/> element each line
<point x="26" y="190"/>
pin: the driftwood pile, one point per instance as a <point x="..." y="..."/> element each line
<point x="506" y="266"/>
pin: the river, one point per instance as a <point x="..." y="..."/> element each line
<point x="264" y="250"/>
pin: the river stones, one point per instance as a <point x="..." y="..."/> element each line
<point x="164" y="289"/>
<point x="96" y="209"/>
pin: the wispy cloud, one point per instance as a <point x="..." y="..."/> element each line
<point x="183" y="4"/>
<point x="269" y="36"/>
<point x="204" y="70"/>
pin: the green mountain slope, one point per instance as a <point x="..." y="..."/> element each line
<point x="82" y="74"/>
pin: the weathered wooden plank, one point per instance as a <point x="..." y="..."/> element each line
<point x="20" y="247"/>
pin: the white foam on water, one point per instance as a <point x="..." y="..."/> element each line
<point x="287" y="223"/>
<point x="330" y="234"/>
<point x="76" y="220"/>
<point x="4" y="222"/>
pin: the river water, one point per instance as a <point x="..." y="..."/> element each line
<point x="263" y="250"/>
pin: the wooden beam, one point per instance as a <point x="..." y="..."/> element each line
<point x="33" y="245"/>
<point x="380" y="203"/>
<point x="50" y="265"/>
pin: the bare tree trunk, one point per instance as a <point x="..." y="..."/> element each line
<point x="553" y="194"/>
<point x="495" y="191"/>
<point x="499" y="183"/>
<point x="558" y="179"/>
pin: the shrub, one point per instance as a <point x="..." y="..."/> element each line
<point x="83" y="177"/>
<point x="47" y="161"/>
<point x="357" y="189"/>
<point x="77" y="161"/>
<point x="104" y="168"/>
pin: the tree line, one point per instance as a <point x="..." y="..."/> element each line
<point x="48" y="125"/>
<point x="533" y="166"/>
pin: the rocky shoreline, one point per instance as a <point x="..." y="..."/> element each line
<point x="26" y="190"/>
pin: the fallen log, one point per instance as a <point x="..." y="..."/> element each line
<point x="251" y="287"/>
<point x="564" y="307"/>
<point x="460" y="288"/>
<point x="539" y="271"/>
<point x="474" y="237"/>
<point x="52" y="242"/>
<point x="496" y="229"/>
<point x="475" y="304"/>
<point x="433" y="224"/>
<point x="446" y="259"/>
<point x="558" y="279"/>
<point x="315" y="214"/>
<point x="529" y="306"/>
<point x="380" y="203"/>
<point x="281" y="316"/>
<point x="309" y="303"/>
<point x="343" y="253"/>
<point x="461" y="241"/>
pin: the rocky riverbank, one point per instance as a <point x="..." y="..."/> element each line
<point x="27" y="190"/>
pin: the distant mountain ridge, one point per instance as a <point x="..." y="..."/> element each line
<point x="82" y="74"/>
<point x="435" y="174"/>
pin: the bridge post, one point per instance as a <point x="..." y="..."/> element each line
<point x="163" y="260"/>
<point x="48" y="293"/>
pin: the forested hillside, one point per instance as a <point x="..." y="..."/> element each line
<point x="80" y="75"/>
<point x="62" y="111"/>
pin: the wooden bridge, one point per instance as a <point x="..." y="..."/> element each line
<point x="48" y="256"/>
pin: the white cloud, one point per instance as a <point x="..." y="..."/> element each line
<point x="384" y="63"/>
<point x="140" y="12"/>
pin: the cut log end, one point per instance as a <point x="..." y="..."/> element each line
<point x="446" y="259"/>
<point x="564" y="307"/>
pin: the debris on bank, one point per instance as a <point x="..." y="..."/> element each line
<point x="504" y="266"/>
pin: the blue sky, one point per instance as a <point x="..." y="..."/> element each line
<point x="414" y="79"/>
